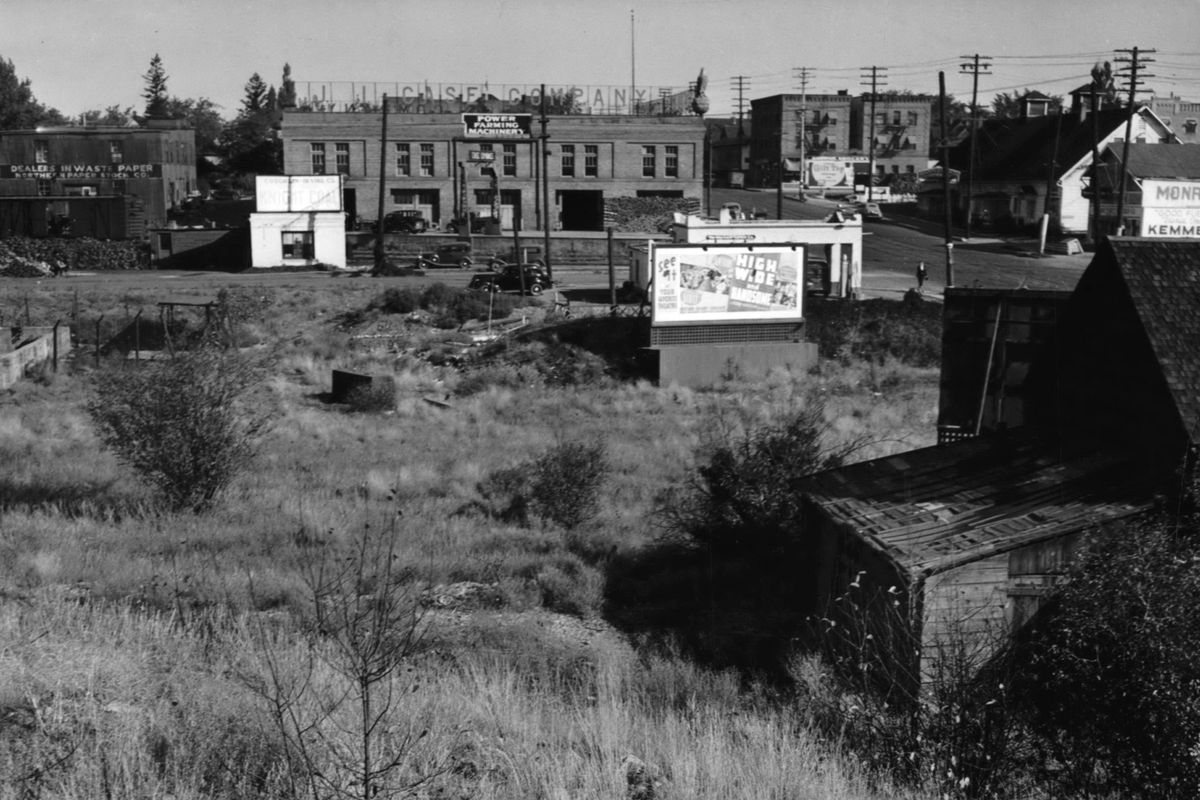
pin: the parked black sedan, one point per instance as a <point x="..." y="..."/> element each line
<point x="508" y="279"/>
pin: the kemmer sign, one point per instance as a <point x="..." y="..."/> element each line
<point x="726" y="283"/>
<point x="497" y="126"/>
<point x="1171" y="209"/>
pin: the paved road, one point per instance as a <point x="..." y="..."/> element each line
<point x="891" y="250"/>
<point x="893" y="247"/>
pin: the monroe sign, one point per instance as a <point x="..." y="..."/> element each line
<point x="726" y="283"/>
<point x="1171" y="209"/>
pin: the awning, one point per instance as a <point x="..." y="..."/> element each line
<point x="793" y="164"/>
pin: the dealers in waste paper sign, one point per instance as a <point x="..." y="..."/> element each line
<point x="727" y="284"/>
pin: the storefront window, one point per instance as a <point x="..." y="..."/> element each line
<point x="298" y="245"/>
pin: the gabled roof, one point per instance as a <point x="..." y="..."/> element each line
<point x="1163" y="278"/>
<point x="933" y="509"/>
<point x="1148" y="160"/>
<point x="1022" y="149"/>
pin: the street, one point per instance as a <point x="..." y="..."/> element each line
<point x="893" y="247"/>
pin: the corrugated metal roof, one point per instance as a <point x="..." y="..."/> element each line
<point x="932" y="509"/>
<point x="1163" y="278"/>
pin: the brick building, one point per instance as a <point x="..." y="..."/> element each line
<point x="839" y="126"/>
<point x="433" y="163"/>
<point x="108" y="182"/>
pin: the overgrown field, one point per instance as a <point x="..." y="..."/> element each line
<point x="145" y="652"/>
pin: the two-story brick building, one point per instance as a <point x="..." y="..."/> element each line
<point x="893" y="133"/>
<point x="108" y="182"/>
<point x="440" y="163"/>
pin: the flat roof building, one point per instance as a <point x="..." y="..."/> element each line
<point x="107" y="182"/>
<point x="442" y="164"/>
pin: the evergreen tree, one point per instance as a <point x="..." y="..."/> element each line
<point x="255" y="99"/>
<point x="287" y="89"/>
<point x="155" y="92"/>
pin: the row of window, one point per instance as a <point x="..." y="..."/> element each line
<point x="173" y="152"/>
<point x="404" y="166"/>
<point x="45" y="188"/>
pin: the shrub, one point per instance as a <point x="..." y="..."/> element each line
<point x="1113" y="686"/>
<point x="399" y="301"/>
<point x="438" y="297"/>
<point x="743" y="497"/>
<point x="562" y="486"/>
<point x="186" y="425"/>
<point x="566" y="482"/>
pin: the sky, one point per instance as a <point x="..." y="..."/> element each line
<point x="81" y="55"/>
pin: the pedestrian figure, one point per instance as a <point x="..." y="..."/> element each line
<point x="922" y="273"/>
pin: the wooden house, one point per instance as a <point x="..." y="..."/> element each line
<point x="967" y="539"/>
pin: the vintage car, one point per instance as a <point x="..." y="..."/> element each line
<point x="455" y="254"/>
<point x="508" y="279"/>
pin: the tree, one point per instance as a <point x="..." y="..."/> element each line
<point x="19" y="110"/>
<point x="1007" y="105"/>
<point x="254" y="100"/>
<point x="203" y="117"/>
<point x="343" y="705"/>
<point x="287" y="89"/>
<point x="1113" y="685"/>
<point x="1106" y="85"/>
<point x="155" y="92"/>
<point x="186" y="425"/>
<point x="113" y="115"/>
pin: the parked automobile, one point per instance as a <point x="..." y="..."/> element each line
<point x="478" y="224"/>
<point x="508" y="279"/>
<point x="405" y="221"/>
<point x="872" y="211"/>
<point x="528" y="254"/>
<point x="455" y="254"/>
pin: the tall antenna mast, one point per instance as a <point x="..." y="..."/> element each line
<point x="632" y="61"/>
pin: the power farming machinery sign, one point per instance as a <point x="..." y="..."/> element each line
<point x="726" y="283"/>
<point x="497" y="126"/>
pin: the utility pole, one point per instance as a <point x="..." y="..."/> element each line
<point x="946" y="180"/>
<point x="1135" y="60"/>
<point x="545" y="145"/>
<point x="802" y="74"/>
<point x="379" y="228"/>
<point x="976" y="68"/>
<point x="740" y="83"/>
<point x="875" y="84"/>
<point x="1094" y="205"/>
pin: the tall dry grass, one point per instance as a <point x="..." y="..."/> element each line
<point x="126" y="628"/>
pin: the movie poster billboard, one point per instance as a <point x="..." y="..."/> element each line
<point x="726" y="283"/>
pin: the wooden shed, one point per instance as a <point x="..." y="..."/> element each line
<point x="969" y="537"/>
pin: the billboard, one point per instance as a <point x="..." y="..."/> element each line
<point x="1171" y="209"/>
<point x="298" y="193"/>
<point x="497" y="126"/>
<point x="726" y="283"/>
